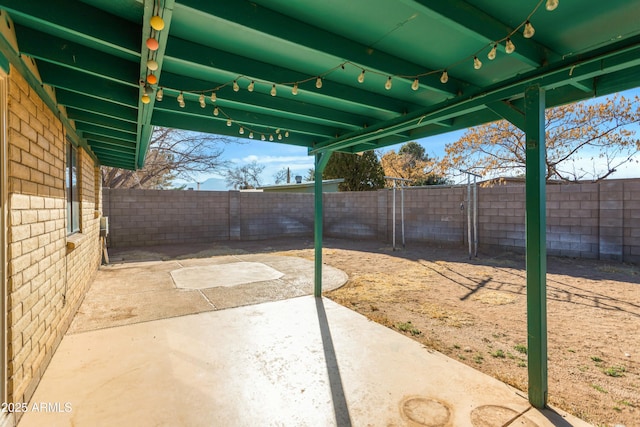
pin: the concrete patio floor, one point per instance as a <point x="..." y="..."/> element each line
<point x="300" y="361"/>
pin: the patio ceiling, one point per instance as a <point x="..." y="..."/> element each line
<point x="88" y="59"/>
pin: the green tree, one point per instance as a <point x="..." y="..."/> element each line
<point x="411" y="162"/>
<point x="360" y="172"/>
<point x="585" y="140"/>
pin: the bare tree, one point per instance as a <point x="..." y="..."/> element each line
<point x="585" y="140"/>
<point x="172" y="154"/>
<point x="244" y="177"/>
<point x="282" y="176"/>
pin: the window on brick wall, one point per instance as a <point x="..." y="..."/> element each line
<point x="73" y="196"/>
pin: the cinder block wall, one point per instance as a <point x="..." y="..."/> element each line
<point x="583" y="220"/>
<point x="269" y="215"/>
<point x="430" y="215"/>
<point x="351" y="214"/>
<point x="46" y="281"/>
<point x="158" y="217"/>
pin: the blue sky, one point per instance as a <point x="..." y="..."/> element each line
<point x="276" y="156"/>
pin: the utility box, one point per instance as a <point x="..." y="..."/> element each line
<point x="104" y="226"/>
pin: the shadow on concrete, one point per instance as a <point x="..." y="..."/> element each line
<point x="340" y="407"/>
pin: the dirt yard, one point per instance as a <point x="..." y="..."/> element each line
<point x="475" y="311"/>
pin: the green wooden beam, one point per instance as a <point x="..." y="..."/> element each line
<point x="8" y="51"/>
<point x="79" y="82"/>
<point x="75" y="20"/>
<point x="510" y="112"/>
<point x="108" y="109"/>
<point x="536" y="245"/>
<point x="617" y="57"/>
<point x="484" y="27"/>
<point x="145" y="111"/>
<point x="321" y="160"/>
<point x="223" y="67"/>
<point x="77" y="57"/>
<point x="90" y="128"/>
<point x="81" y="116"/>
<point x="266" y="21"/>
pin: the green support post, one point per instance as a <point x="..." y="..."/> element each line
<point x="534" y="98"/>
<point x="321" y="161"/>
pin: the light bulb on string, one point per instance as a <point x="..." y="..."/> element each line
<point x="270" y="137"/>
<point x="476" y="63"/>
<point x="509" y="47"/>
<point x="213" y="97"/>
<point x="202" y="101"/>
<point x="145" y="99"/>
<point x="273" y="90"/>
<point x="152" y="79"/>
<point x="157" y="23"/>
<point x="361" y="77"/>
<point x="388" y="84"/>
<point x="159" y="94"/>
<point x="262" y="138"/>
<point x="319" y="82"/>
<point x="216" y="111"/>
<point x="551" y="5"/>
<point x="294" y="90"/>
<point x="241" y="131"/>
<point x="152" y="44"/>
<point x="152" y="65"/>
<point x="236" y="88"/>
<point x="492" y="53"/>
<point x="286" y="134"/>
<point x="251" y="86"/>
<point x="229" y="122"/>
<point x="250" y="135"/>
<point x="415" y="85"/>
<point x="180" y="100"/>
<point x="444" y="77"/>
<point x="279" y="136"/>
<point x="528" y="31"/>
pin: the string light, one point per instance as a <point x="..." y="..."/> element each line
<point x="529" y="31"/>
<point x="262" y="138"/>
<point x="492" y="53"/>
<point x="157" y="23"/>
<point x="152" y="44"/>
<point x="509" y="47"/>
